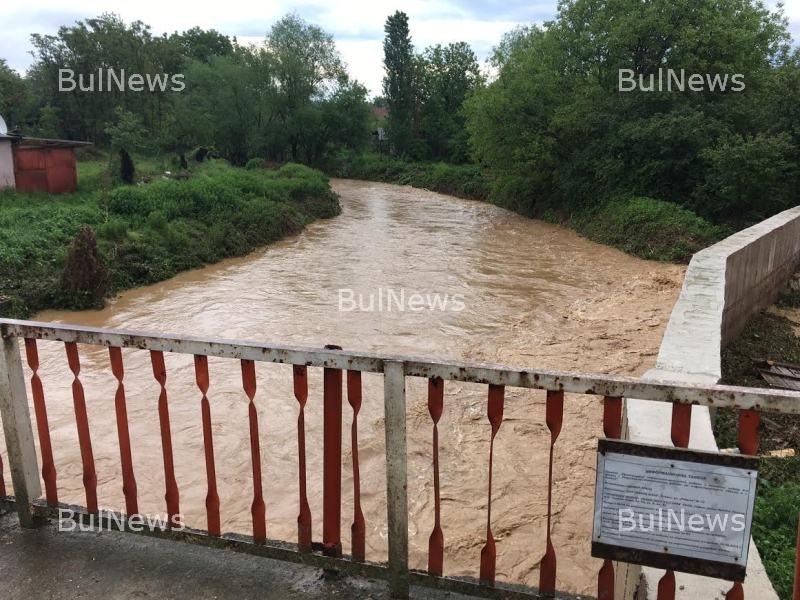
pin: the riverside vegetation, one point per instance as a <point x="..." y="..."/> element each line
<point x="71" y="251"/>
<point x="550" y="135"/>
<point x="769" y="336"/>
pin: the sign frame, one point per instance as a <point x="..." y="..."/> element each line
<point x="666" y="560"/>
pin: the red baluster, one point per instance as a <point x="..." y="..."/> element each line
<point x="171" y="496"/>
<point x="300" y="373"/>
<point x="358" y="529"/>
<point x="666" y="586"/>
<point x="681" y="424"/>
<point x="612" y="417"/>
<point x="42" y="425"/>
<point x="554" y="416"/>
<point x="489" y="551"/>
<point x="332" y="461"/>
<point x="212" y="497"/>
<point x="82" y="421"/>
<point x="605" y="581"/>
<point x="612" y="428"/>
<point x="736" y="592"/>
<point x="749" y="421"/>
<point x="258" y="509"/>
<point x="126" y="459"/>
<point x="436" y="540"/>
<point x="680" y="430"/>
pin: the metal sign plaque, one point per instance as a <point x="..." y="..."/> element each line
<point x="674" y="508"/>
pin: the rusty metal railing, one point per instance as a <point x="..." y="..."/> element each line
<point x="25" y="468"/>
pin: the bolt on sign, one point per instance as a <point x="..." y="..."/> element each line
<point x="674" y="508"/>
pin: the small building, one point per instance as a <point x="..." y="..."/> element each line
<point x="38" y="165"/>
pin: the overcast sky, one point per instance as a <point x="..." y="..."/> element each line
<point x="357" y="25"/>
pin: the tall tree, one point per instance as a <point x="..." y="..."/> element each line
<point x="558" y="132"/>
<point x="307" y="68"/>
<point x="15" y="97"/>
<point x="449" y="74"/>
<point x="398" y="61"/>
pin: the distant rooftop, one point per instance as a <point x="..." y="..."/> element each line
<point x="22" y="141"/>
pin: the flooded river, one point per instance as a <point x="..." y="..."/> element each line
<point x="533" y="295"/>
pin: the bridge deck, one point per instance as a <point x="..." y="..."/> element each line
<point x="47" y="564"/>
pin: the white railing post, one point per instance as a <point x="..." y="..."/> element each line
<point x="16" y="417"/>
<point x="394" y="386"/>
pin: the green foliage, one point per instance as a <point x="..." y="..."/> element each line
<point x="775" y="532"/>
<point x="289" y="99"/>
<point x="651" y="229"/>
<point x="768" y="336"/>
<point x="398" y="83"/>
<point x="746" y="177"/>
<point x="464" y="181"/>
<point x="126" y="132"/>
<point x="645" y="227"/>
<point x="554" y="129"/>
<point x="15" y="95"/>
<point x="84" y="280"/>
<point x="148" y="232"/>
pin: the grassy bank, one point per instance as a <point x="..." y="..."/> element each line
<point x="768" y="337"/>
<point x="150" y="231"/>
<point x="645" y="227"/>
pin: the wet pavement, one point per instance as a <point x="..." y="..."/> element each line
<point x="45" y="564"/>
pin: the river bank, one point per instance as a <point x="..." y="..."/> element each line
<point x="771" y="335"/>
<point x="534" y="294"/>
<point x="644" y="227"/>
<point x="146" y="232"/>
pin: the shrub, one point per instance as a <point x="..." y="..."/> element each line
<point x="146" y="233"/>
<point x="775" y="532"/>
<point x="84" y="280"/>
<point x="126" y="168"/>
<point x="648" y="228"/>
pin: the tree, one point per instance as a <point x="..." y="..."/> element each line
<point x="127" y="134"/>
<point x="15" y="96"/>
<point x="108" y="43"/>
<point x="449" y="74"/>
<point x="307" y="67"/>
<point x="398" y="63"/>
<point x="202" y="44"/>
<point x="558" y="133"/>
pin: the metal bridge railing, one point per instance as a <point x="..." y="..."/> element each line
<point x="338" y="366"/>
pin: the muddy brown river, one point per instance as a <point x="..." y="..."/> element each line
<point x="534" y="295"/>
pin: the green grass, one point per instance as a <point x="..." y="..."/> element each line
<point x="648" y="228"/>
<point x="150" y="231"/>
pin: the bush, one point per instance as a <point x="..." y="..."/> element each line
<point x="775" y="533"/>
<point x="648" y="228"/>
<point x="84" y="280"/>
<point x="148" y="232"/>
<point x="464" y="181"/>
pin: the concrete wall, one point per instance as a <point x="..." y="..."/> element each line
<point x="724" y="286"/>
<point x="6" y="165"/>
